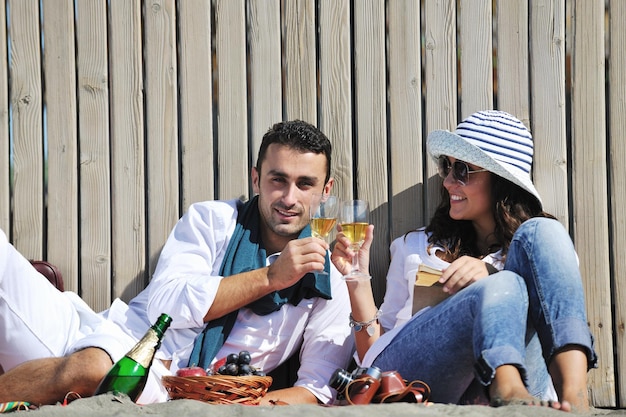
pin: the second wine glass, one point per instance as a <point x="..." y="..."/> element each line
<point x="354" y="219"/>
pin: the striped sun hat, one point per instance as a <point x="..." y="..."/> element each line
<point x="492" y="140"/>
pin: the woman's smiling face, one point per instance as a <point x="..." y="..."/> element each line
<point x="471" y="201"/>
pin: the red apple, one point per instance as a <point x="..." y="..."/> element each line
<point x="191" y="371"/>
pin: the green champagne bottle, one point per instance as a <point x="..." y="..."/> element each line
<point x="129" y="374"/>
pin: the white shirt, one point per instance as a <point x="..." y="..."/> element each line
<point x="185" y="284"/>
<point x="407" y="253"/>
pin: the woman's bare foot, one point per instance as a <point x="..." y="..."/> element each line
<point x="568" y="369"/>
<point x="499" y="402"/>
<point x="508" y="388"/>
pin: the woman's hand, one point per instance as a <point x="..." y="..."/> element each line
<point x="342" y="254"/>
<point x="463" y="272"/>
<point x="360" y="292"/>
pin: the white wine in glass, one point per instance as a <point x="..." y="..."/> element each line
<point x="322" y="226"/>
<point x="323" y="214"/>
<point x="323" y="211"/>
<point x="354" y="219"/>
<point x="355" y="232"/>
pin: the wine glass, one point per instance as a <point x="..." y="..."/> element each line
<point x="354" y="219"/>
<point x="323" y="216"/>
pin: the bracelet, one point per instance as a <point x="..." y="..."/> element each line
<point x="360" y="325"/>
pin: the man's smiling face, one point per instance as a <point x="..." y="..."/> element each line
<point x="284" y="185"/>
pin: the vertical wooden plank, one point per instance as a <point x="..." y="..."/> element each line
<point x="441" y="82"/>
<point x="512" y="83"/>
<point x="232" y="126"/>
<point x="128" y="176"/>
<point x="5" y="163"/>
<point x="62" y="137"/>
<point x="590" y="187"/>
<point x="475" y="44"/>
<point x="196" y="102"/>
<point x="548" y="105"/>
<point x="336" y="90"/>
<point x="160" y="72"/>
<point x="405" y="122"/>
<point x="93" y="130"/>
<point x="371" y="127"/>
<point x="264" y="46"/>
<point x="617" y="152"/>
<point x="300" y="60"/>
<point x="26" y="127"/>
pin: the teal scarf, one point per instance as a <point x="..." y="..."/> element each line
<point x="245" y="252"/>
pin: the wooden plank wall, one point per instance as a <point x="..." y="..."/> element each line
<point x="116" y="116"/>
<point x="590" y="191"/>
<point x="617" y="221"/>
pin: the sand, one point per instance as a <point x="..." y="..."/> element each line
<point x="111" y="405"/>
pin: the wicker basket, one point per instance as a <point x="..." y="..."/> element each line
<point x="218" y="389"/>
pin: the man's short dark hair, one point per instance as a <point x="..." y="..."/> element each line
<point x="298" y="135"/>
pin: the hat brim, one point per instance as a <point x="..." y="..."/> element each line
<point x="443" y="142"/>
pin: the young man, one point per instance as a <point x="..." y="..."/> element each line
<point x="232" y="276"/>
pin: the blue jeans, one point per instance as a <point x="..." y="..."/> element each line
<point x="543" y="254"/>
<point x="493" y="321"/>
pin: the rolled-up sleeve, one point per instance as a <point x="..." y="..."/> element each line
<point x="187" y="277"/>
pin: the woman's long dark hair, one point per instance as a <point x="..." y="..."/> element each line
<point x="513" y="206"/>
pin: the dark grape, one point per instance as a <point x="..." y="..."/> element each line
<point x="232" y="358"/>
<point x="245" y="369"/>
<point x="232" y="369"/>
<point x="244" y="358"/>
<point x="238" y="365"/>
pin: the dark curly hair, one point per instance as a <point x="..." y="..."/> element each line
<point x="298" y="135"/>
<point x="512" y="206"/>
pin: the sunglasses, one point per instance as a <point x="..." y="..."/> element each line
<point x="460" y="170"/>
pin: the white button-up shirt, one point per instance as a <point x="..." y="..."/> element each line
<point x="185" y="284"/>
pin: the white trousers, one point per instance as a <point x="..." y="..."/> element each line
<point x="38" y="321"/>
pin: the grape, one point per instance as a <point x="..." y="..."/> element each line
<point x="237" y="365"/>
<point x="244" y="358"/>
<point x="245" y="369"/>
<point x="232" y="369"/>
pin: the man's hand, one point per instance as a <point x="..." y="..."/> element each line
<point x="342" y="254"/>
<point x="463" y="272"/>
<point x="298" y="258"/>
<point x="287" y="396"/>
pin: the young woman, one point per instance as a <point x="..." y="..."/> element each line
<point x="509" y="306"/>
